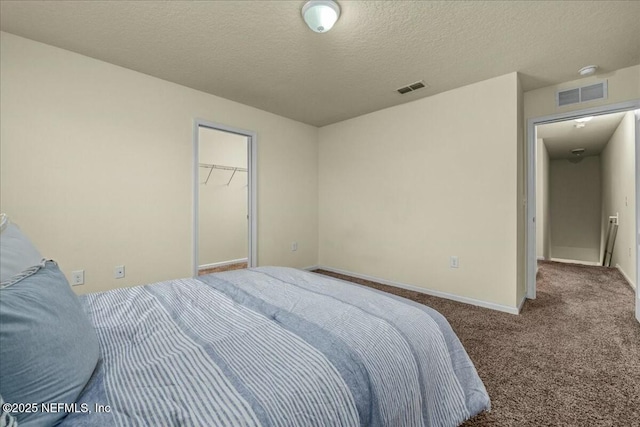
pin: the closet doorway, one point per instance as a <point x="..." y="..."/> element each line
<point x="224" y="198"/>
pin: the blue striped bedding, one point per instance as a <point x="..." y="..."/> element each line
<point x="274" y="346"/>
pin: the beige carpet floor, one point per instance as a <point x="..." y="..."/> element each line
<point x="571" y="358"/>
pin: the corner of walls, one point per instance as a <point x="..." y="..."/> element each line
<point x="521" y="198"/>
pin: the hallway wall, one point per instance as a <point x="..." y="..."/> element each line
<point x="618" y="191"/>
<point x="543" y="236"/>
<point x="575" y="209"/>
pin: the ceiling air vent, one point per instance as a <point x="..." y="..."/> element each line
<point x="582" y="94"/>
<point x="411" y="87"/>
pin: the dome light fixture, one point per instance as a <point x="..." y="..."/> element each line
<point x="578" y="155"/>
<point x="320" y="15"/>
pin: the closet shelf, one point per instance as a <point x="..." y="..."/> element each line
<point x="226" y="168"/>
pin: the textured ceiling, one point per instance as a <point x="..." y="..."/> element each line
<point x="261" y="53"/>
<point x="562" y="137"/>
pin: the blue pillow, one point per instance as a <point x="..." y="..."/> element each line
<point x="48" y="347"/>
<point x="17" y="253"/>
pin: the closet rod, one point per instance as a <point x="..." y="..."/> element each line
<point x="227" y="168"/>
<point x="232" y="175"/>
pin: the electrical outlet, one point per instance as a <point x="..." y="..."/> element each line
<point x="118" y="272"/>
<point x="294" y="246"/>
<point x="453" y="262"/>
<point x="77" y="277"/>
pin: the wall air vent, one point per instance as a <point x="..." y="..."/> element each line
<point x="592" y="92"/>
<point x="411" y="87"/>
<point x="582" y="94"/>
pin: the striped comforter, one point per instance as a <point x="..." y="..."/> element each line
<point x="274" y="346"/>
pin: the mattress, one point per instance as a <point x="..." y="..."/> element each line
<point x="273" y="346"/>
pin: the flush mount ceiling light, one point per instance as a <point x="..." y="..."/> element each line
<point x="577" y="152"/>
<point x="582" y="122"/>
<point x="320" y="15"/>
<point x="588" y="70"/>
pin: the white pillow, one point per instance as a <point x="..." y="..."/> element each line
<point x="17" y="253"/>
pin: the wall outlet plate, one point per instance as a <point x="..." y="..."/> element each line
<point x="454" y="262"/>
<point x="118" y="272"/>
<point x="77" y="278"/>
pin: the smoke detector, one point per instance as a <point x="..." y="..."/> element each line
<point x="588" y="70"/>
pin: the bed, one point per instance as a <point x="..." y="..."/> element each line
<point x="268" y="346"/>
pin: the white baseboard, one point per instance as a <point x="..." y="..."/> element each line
<point x="522" y="301"/>
<point x="627" y="278"/>
<point x="222" y="264"/>
<point x="466" y="300"/>
<point x="311" y="268"/>
<point x="575" y="261"/>
<point x="541" y="258"/>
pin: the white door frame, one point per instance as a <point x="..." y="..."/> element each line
<point x="530" y="231"/>
<point x="252" y="162"/>
<point x="637" y="112"/>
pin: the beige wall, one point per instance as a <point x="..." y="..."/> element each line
<point x="618" y="191"/>
<point x="543" y="238"/>
<point x="223" y="202"/>
<point x="574" y="207"/>
<point x="96" y="167"/>
<point x="405" y="188"/>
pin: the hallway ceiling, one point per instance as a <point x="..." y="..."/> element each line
<point x="562" y="137"/>
<point x="261" y="53"/>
